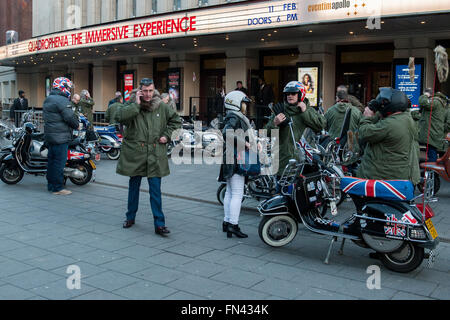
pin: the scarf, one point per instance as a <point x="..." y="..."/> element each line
<point x="249" y="130"/>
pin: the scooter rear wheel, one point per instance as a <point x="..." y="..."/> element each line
<point x="406" y="259"/>
<point x="12" y="175"/>
<point x="85" y="168"/>
<point x="278" y="231"/>
<point x="221" y="194"/>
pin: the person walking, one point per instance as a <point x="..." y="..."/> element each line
<point x="19" y="105"/>
<point x="59" y="121"/>
<point x="236" y="104"/>
<point x="437" y="132"/>
<point x="149" y="124"/>
<point x="87" y="106"/>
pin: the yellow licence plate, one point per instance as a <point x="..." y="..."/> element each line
<point x="431" y="228"/>
<point x="92" y="164"/>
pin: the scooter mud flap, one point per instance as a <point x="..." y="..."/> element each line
<point x="431" y="259"/>
<point x="275" y="205"/>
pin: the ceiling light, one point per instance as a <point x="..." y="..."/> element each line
<point x="351" y="32"/>
<point x="275" y="31"/>
<point x="423" y="22"/>
<point x="310" y="31"/>
<point x="262" y="39"/>
<point x="163" y="44"/>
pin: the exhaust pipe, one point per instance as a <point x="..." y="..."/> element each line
<point x="73" y="173"/>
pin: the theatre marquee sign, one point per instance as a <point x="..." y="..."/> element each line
<point x="224" y="19"/>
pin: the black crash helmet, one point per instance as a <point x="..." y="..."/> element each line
<point x="391" y="100"/>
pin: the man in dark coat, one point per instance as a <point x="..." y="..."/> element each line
<point x="149" y="126"/>
<point x="59" y="123"/>
<point x="264" y="97"/>
<point x="20" y="104"/>
<point x="240" y="87"/>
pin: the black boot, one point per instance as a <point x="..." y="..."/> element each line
<point x="234" y="229"/>
<point x="225" y="226"/>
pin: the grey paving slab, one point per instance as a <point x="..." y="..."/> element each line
<point x="159" y="274"/>
<point x="321" y="294"/>
<point x="98" y="257"/>
<point x="110" y="281"/>
<point x="197" y="285"/>
<point x="202" y="268"/>
<point x="250" y="251"/>
<point x="180" y="295"/>
<point x="242" y="262"/>
<point x="145" y="290"/>
<point x="50" y="261"/>
<point x="405" y="296"/>
<point x="239" y="278"/>
<point x="58" y="290"/>
<point x="32" y="279"/>
<point x="170" y="260"/>
<point x="7" y="245"/>
<point x="127" y="265"/>
<point x="236" y="293"/>
<point x="139" y="252"/>
<point x="280" y="288"/>
<point x="11" y="267"/>
<point x="189" y="250"/>
<point x="25" y="253"/>
<point x="86" y="270"/>
<point x="441" y="293"/>
<point x="72" y="249"/>
<point x="99" y="295"/>
<point x="9" y="292"/>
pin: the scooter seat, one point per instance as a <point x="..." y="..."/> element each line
<point x="394" y="190"/>
<point x="109" y="129"/>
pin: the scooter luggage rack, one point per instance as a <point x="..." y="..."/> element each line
<point x="289" y="174"/>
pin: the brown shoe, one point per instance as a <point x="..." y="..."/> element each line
<point x="63" y="192"/>
<point x="128" y="224"/>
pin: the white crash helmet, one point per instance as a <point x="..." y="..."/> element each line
<point x="234" y="100"/>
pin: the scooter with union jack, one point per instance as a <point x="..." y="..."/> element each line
<point x="388" y="219"/>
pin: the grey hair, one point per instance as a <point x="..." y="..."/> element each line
<point x="84" y="93"/>
<point x="118" y="94"/>
<point x="165" y="95"/>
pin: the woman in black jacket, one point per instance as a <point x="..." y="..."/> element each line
<point x="237" y="135"/>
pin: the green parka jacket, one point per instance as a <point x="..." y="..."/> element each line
<point x="142" y="154"/>
<point x="392" y="150"/>
<point x="110" y="115"/>
<point x="438" y="120"/>
<point x="301" y="120"/>
<point x="87" y="108"/>
<point x="335" y="118"/>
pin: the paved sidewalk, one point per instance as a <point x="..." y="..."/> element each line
<point x="41" y="235"/>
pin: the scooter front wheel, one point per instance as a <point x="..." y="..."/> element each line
<point x="406" y="259"/>
<point x="11" y="175"/>
<point x="278" y="231"/>
<point x="114" y="154"/>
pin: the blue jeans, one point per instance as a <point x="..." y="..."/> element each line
<point x="57" y="158"/>
<point x="432" y="154"/>
<point x="154" y="185"/>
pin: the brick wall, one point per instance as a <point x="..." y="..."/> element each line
<point x="16" y="15"/>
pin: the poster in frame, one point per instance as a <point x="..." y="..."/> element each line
<point x="309" y="75"/>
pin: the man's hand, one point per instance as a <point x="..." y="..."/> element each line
<point x="368" y="113"/>
<point x="302" y="106"/>
<point x="139" y="94"/>
<point x="163" y="140"/>
<point x="279" y="119"/>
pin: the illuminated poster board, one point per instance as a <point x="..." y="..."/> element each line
<point x="403" y="82"/>
<point x="174" y="86"/>
<point x="128" y="85"/>
<point x="309" y="75"/>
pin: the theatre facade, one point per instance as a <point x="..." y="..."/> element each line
<point x="195" y="54"/>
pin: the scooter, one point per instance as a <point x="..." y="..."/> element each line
<point x="440" y="168"/>
<point x="387" y="219"/>
<point x="106" y="138"/>
<point x="28" y="154"/>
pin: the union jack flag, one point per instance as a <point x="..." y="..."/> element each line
<point x="397" y="190"/>
<point x="394" y="229"/>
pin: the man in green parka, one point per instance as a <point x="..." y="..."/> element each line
<point x="336" y="114"/>
<point x="391" y="152"/>
<point x="296" y="108"/>
<point x="149" y="126"/>
<point x="438" y="132"/>
<point x="110" y="115"/>
<point x="87" y="106"/>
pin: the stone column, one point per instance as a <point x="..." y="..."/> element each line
<point x="143" y="67"/>
<point x="104" y="84"/>
<point x="80" y="77"/>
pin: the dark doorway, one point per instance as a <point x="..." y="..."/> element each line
<point x="364" y="69"/>
<point x="212" y="86"/>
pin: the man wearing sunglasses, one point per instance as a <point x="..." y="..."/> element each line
<point x="149" y="126"/>
<point x="296" y="108"/>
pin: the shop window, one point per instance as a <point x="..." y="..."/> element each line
<point x="212" y="64"/>
<point x="161" y="66"/>
<point x="202" y="3"/>
<point x="176" y="5"/>
<point x="154" y="6"/>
